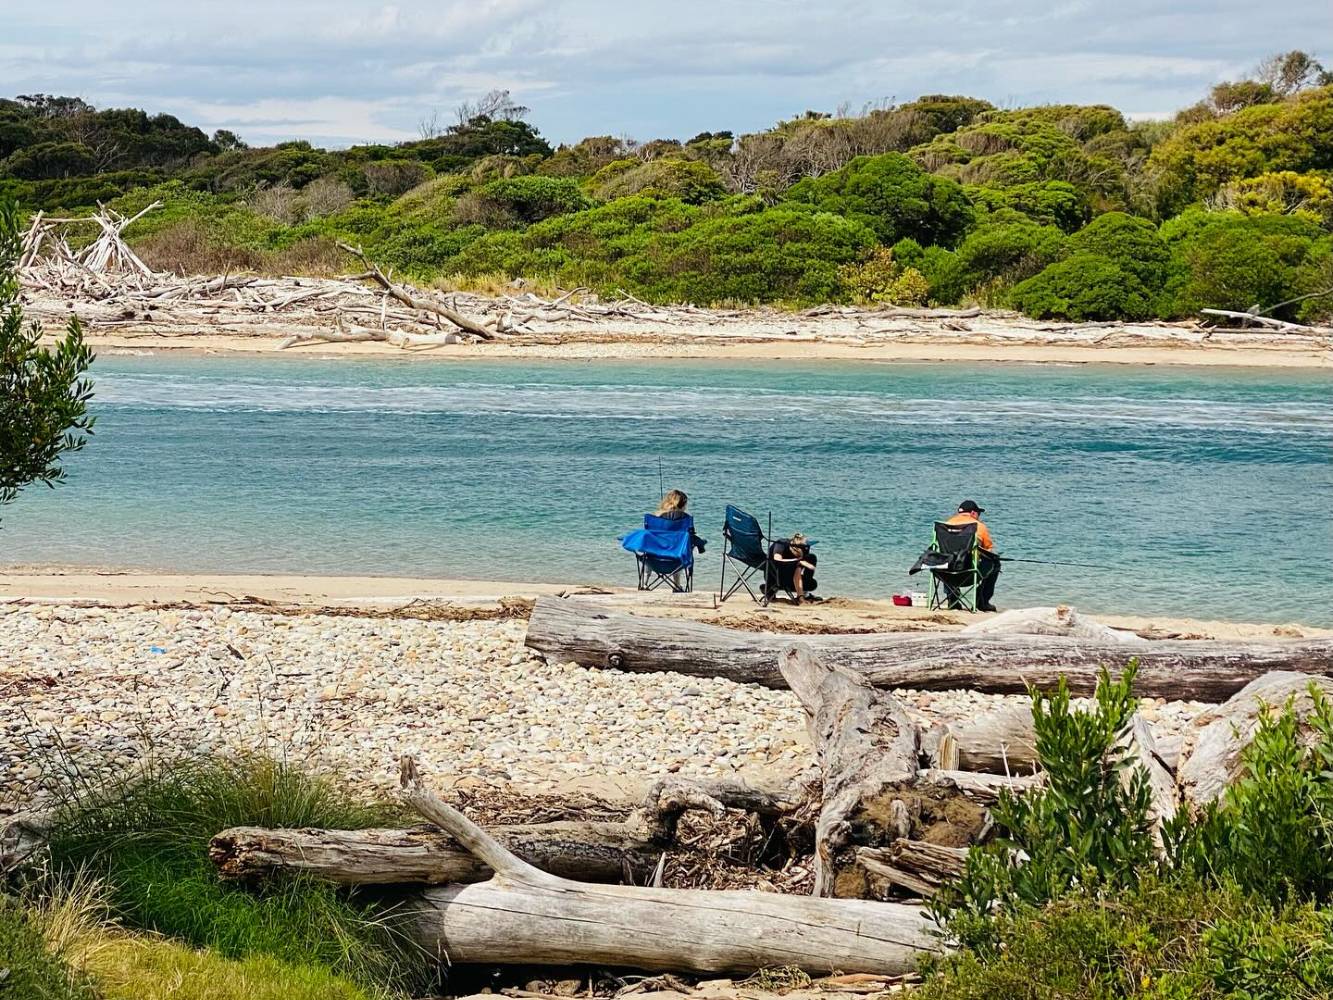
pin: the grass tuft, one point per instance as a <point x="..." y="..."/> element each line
<point x="146" y="838"/>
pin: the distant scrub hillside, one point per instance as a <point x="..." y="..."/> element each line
<point x="1062" y="211"/>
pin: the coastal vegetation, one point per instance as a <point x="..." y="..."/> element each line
<point x="43" y="393"/>
<point x="1059" y="211"/>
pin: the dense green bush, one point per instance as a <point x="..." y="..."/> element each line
<point x="692" y="181"/>
<point x="1291" y="135"/>
<point x="880" y="279"/>
<point x="531" y="199"/>
<point x="783" y="254"/>
<point x="1131" y="243"/>
<point x="1007" y="252"/>
<point x="1056" y="203"/>
<point x="1084" y="287"/>
<point x="894" y="197"/>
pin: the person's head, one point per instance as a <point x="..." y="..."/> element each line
<point x="970" y="507"/>
<point x="797" y="541"/>
<point x="674" y="500"/>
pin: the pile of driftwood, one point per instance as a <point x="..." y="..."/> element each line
<point x="889" y="815"/>
<point x="108" y="285"/>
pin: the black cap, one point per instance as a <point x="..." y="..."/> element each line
<point x="970" y="507"/>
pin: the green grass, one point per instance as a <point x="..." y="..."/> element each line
<point x="128" y="968"/>
<point x="147" y="841"/>
<point x="32" y="969"/>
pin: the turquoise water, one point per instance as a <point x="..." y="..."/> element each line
<point x="1204" y="493"/>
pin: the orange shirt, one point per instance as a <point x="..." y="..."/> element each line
<point x="983" y="533"/>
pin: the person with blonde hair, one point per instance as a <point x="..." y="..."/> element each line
<point x="672" y="508"/>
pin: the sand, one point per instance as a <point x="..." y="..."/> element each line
<point x="130" y="587"/>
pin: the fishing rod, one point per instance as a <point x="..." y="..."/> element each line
<point x="1052" y="562"/>
<point x="661" y="481"/>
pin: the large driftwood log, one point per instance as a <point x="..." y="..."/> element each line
<point x="1225" y="731"/>
<point x="590" y="852"/>
<point x="868" y="750"/>
<point x="524" y="915"/>
<point x="1203" y="670"/>
<point x="1002" y="741"/>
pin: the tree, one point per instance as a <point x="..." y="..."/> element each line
<point x="225" y="139"/>
<point x="43" y="394"/>
<point x="1289" y="72"/>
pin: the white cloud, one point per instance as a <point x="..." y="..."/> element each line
<point x="341" y="71"/>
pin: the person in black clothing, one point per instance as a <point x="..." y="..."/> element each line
<point x="791" y="567"/>
<point x="672" y="508"/>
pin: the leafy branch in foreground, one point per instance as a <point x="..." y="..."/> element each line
<point x="43" y="394"/>
<point x="1086" y="828"/>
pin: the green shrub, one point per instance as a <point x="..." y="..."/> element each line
<point x="1228" y="260"/>
<point x="1083" y="287"/>
<point x="147" y="839"/>
<point x="878" y="278"/>
<point x="1173" y="939"/>
<point x="1055" y="203"/>
<point x="1272" y="833"/>
<point x="692" y="181"/>
<point x="783" y="254"/>
<point x="533" y="198"/>
<point x="1007" y="252"/>
<point x="893" y="197"/>
<point x="33" y="969"/>
<point x="1132" y="243"/>
<point x="940" y="268"/>
<point x="1085" y="829"/>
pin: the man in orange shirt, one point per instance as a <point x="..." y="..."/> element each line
<point x="989" y="561"/>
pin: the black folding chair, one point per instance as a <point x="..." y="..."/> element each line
<point x="956" y="574"/>
<point x="745" y="551"/>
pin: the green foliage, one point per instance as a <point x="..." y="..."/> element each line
<point x="782" y="254"/>
<point x="1131" y="243"/>
<point x="43" y="394"/>
<point x="1007" y="252"/>
<point x="1086" y="828"/>
<point x="692" y="181"/>
<point x="1056" y="203"/>
<point x="1083" y="287"/>
<point x="1293" y="135"/>
<point x="33" y="969"/>
<point x="880" y="279"/>
<point x="894" y="197"/>
<point x="526" y="200"/>
<point x="1226" y="260"/>
<point x="1175" y="939"/>
<point x="147" y="839"/>
<point x="1272" y="834"/>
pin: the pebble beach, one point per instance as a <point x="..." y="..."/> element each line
<point x="348" y="694"/>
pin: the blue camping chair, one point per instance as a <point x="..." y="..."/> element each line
<point x="664" y="551"/>
<point x="745" y="551"/>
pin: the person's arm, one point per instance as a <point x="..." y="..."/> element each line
<point x="984" y="537"/>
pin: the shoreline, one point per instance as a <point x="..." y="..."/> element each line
<point x="133" y="587"/>
<point x="927" y="350"/>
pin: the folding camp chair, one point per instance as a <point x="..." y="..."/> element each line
<point x="745" y="550"/>
<point x="956" y="573"/>
<point x="664" y="551"/>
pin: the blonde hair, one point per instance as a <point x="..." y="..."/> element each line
<point x="674" y="500"/>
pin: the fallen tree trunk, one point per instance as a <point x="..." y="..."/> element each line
<point x="868" y="749"/>
<point x="526" y="916"/>
<point x="1202" y="670"/>
<point x="1223" y="732"/>
<point x="590" y="852"/>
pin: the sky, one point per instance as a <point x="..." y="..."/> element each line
<point x="337" y="72"/>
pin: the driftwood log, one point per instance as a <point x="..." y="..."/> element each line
<point x="524" y="915"/>
<point x="1203" y="670"/>
<point x="590" y="852"/>
<point x="1223" y="732"/>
